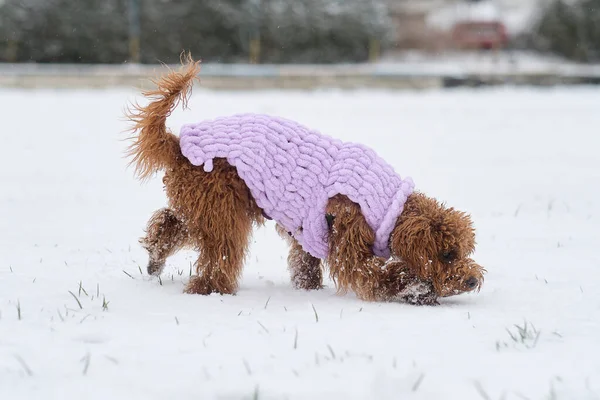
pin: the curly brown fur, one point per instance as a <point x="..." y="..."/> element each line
<point x="155" y="147"/>
<point x="464" y="275"/>
<point x="214" y="213"/>
<point x="165" y="235"/>
<point x="305" y="269"/>
<point x="436" y="241"/>
<point x="426" y="230"/>
<point x="219" y="213"/>
<point x="352" y="265"/>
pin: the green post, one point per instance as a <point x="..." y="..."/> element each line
<point x="254" y="43"/>
<point x="134" y="31"/>
<point x="255" y="50"/>
<point x="11" y="50"/>
<point x="374" y="50"/>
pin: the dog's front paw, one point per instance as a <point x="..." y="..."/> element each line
<point x="429" y="299"/>
<point x="419" y="293"/>
<point x="155" y="268"/>
<point x="399" y="282"/>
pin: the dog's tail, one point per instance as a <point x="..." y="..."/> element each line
<point x="154" y="147"/>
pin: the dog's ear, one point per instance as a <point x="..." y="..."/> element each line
<point x="454" y="234"/>
<point x="428" y="230"/>
<point x="413" y="240"/>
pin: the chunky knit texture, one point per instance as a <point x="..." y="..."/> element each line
<point x="292" y="172"/>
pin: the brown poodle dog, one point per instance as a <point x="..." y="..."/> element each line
<point x="214" y="213"/>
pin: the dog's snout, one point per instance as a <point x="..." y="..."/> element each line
<point x="471" y="282"/>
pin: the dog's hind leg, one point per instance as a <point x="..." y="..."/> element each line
<point x="305" y="270"/>
<point x="223" y="244"/>
<point x="165" y="235"/>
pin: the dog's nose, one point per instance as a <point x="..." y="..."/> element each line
<point x="471" y="282"/>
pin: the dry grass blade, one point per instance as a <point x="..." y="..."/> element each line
<point x="77" y="300"/>
<point x="24" y="365"/>
<point x="84" y="318"/>
<point x="316" y="314"/>
<point x="112" y="359"/>
<point x="81" y="289"/>
<point x="128" y="274"/>
<point x="416" y="385"/>
<point x="331" y="351"/>
<point x="86" y="360"/>
<point x="262" y="326"/>
<point x="296" y="339"/>
<point x="482" y="391"/>
<point x="247" y="367"/>
<point x="513" y="337"/>
<point x="535" y="340"/>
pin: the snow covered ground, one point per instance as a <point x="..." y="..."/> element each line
<point x="79" y="320"/>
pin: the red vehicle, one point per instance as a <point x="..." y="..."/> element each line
<point x="479" y="35"/>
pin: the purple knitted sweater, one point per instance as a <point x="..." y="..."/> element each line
<point x="292" y="172"/>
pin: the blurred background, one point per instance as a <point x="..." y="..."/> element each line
<point x="520" y="160"/>
<point x="295" y="31"/>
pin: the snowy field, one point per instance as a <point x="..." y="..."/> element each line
<point x="79" y="319"/>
